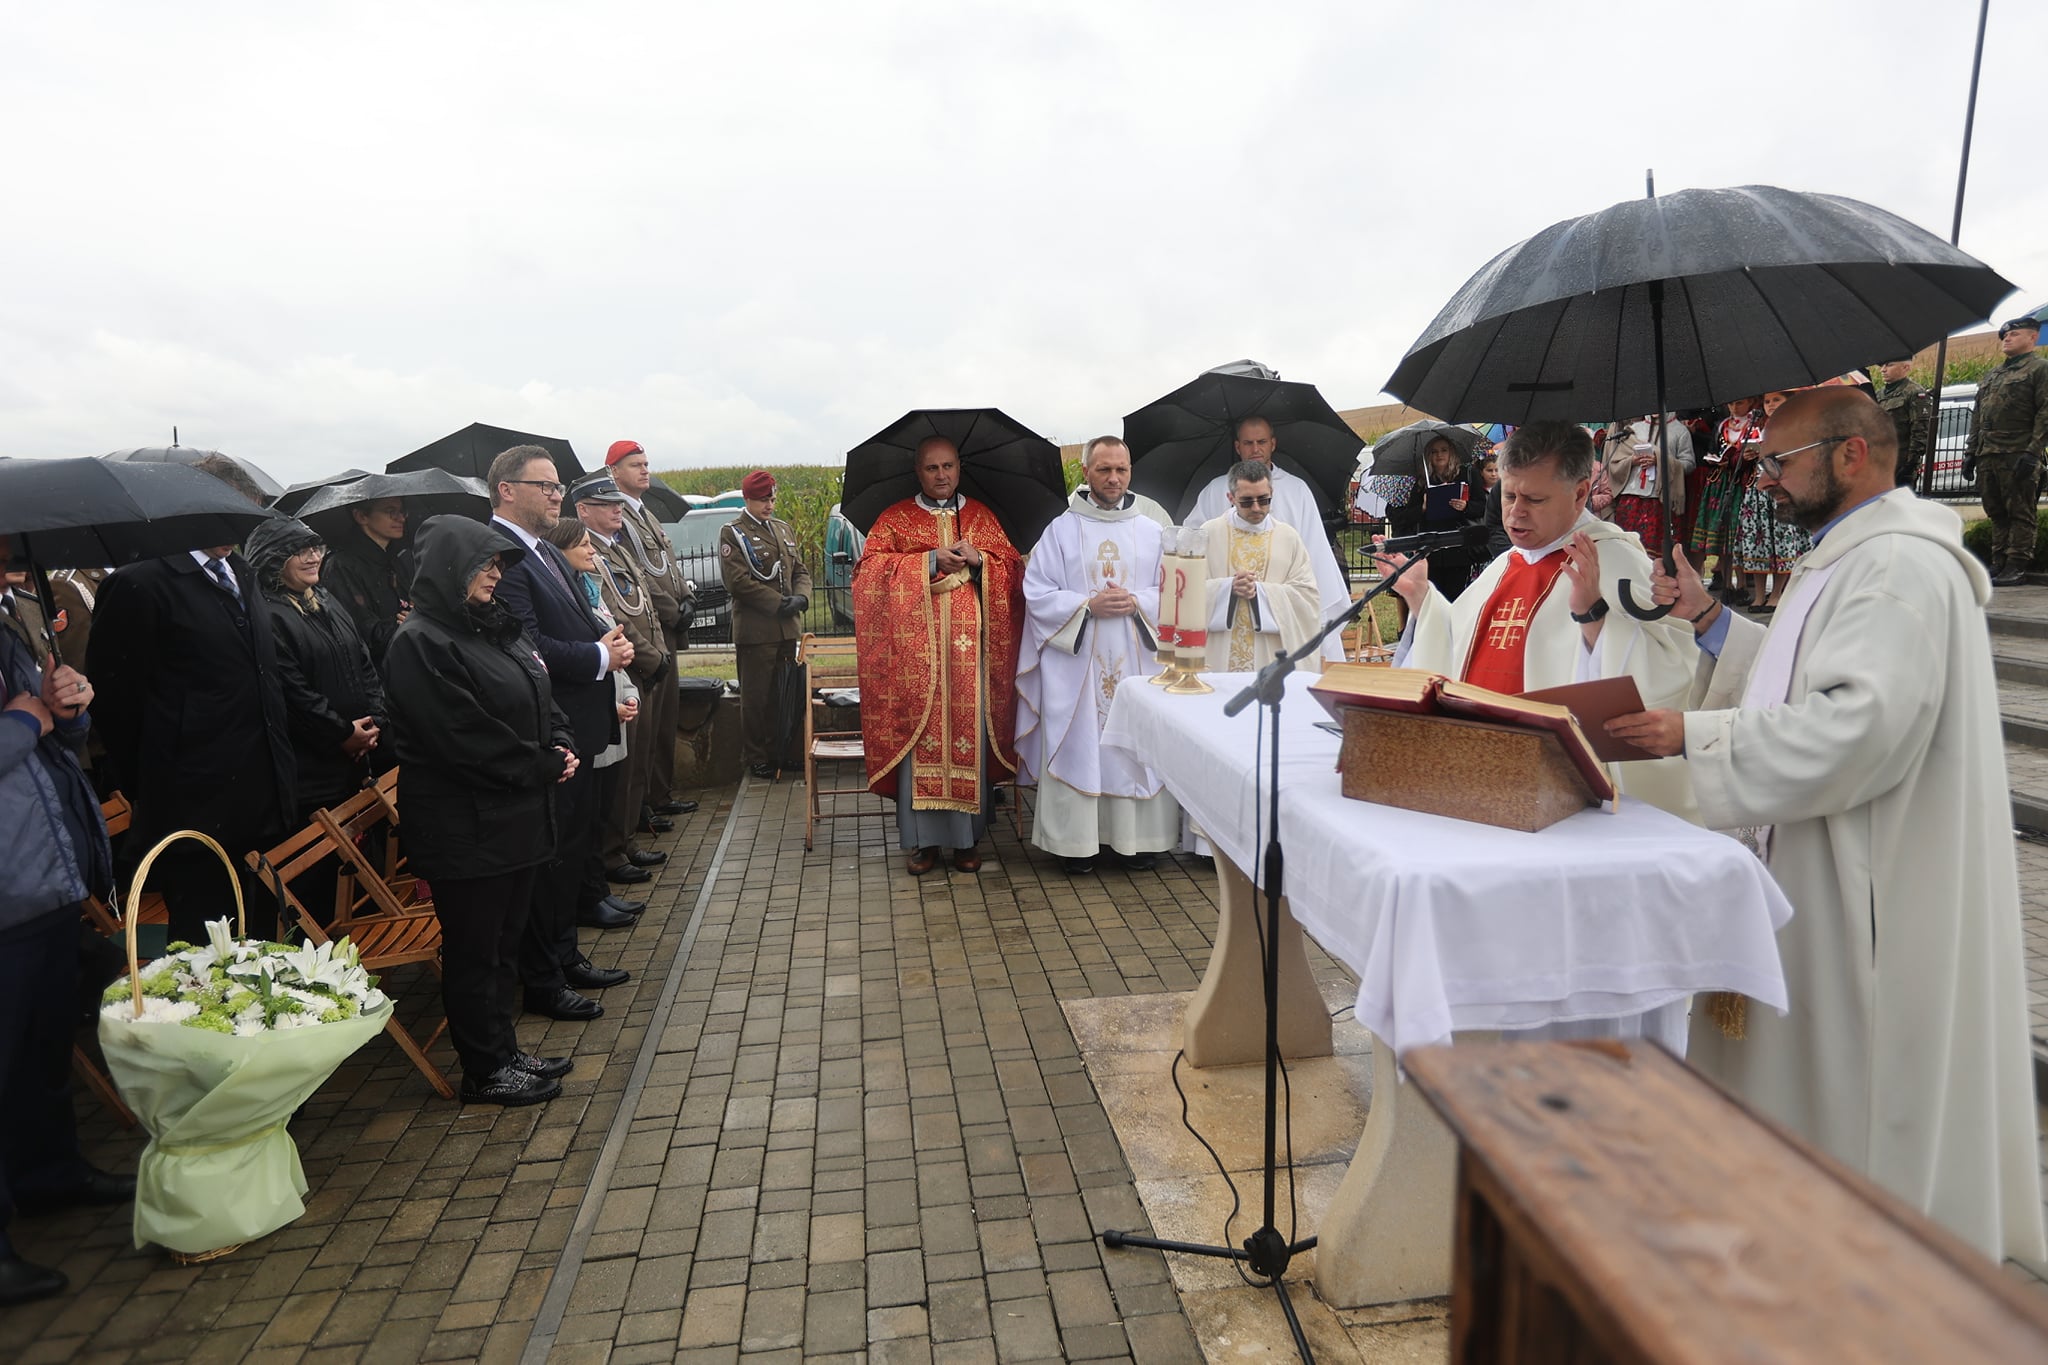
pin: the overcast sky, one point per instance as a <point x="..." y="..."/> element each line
<point x="322" y="235"/>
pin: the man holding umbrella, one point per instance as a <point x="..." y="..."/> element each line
<point x="938" y="607"/>
<point x="1293" y="505"/>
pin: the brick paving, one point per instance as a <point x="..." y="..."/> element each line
<point x="837" y="1113"/>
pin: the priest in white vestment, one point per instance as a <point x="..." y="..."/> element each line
<point x="1294" y="504"/>
<point x="1091" y="597"/>
<point x="1545" y="613"/>
<point x="1262" y="596"/>
<point x="1856" y="742"/>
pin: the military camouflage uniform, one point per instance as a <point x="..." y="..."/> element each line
<point x="2007" y="438"/>
<point x="762" y="571"/>
<point x="1911" y="409"/>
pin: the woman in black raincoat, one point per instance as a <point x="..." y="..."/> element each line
<point x="480" y="746"/>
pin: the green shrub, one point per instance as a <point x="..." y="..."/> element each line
<point x="1977" y="538"/>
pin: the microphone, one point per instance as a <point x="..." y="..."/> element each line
<point x="1472" y="535"/>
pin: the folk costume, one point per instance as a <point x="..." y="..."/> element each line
<point x="1638" y="496"/>
<point x="1718" y="519"/>
<point x="1512" y="631"/>
<point x="1294" y="505"/>
<point x="1068" y="672"/>
<point x="1246" y="633"/>
<point x="938" y="667"/>
<point x="1862" y="729"/>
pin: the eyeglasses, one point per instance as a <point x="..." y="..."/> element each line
<point x="547" y="486"/>
<point x="311" y="552"/>
<point x="1773" y="466"/>
<point x="1259" y="500"/>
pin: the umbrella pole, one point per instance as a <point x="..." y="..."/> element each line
<point x="39" y="581"/>
<point x="1955" y="237"/>
<point x="1653" y="612"/>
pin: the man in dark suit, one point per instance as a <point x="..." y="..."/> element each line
<point x="192" y="714"/>
<point x="543" y="591"/>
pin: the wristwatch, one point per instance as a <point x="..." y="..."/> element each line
<point x="1599" y="610"/>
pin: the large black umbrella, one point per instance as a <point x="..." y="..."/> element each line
<point x="1003" y="463"/>
<point x="177" y="454"/>
<point x="85" y="513"/>
<point x="1400" y="450"/>
<point x="471" y="450"/>
<point x="292" y="499"/>
<point x="1182" y="441"/>
<point x="1688" y="301"/>
<point x="427" y="493"/>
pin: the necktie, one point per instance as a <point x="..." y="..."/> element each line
<point x="219" y="569"/>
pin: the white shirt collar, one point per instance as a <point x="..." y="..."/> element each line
<point x="526" y="538"/>
<point x="1531" y="556"/>
<point x="631" y="501"/>
<point x="206" y="561"/>
<point x="1240" y="524"/>
<point x="951" y="504"/>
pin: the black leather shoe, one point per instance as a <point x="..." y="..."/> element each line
<point x="2011" y="578"/>
<point x="547" y="1068"/>
<point x="602" y="916"/>
<point x="766" y="770"/>
<point x="656" y="824"/>
<point x="624" y="906"/>
<point x="99" y="1188"/>
<point x="1077" y="867"/>
<point x="511" y="1086"/>
<point x="647" y="857"/>
<point x="1141" y="862"/>
<point x="584" y="975"/>
<point x="673" y="807"/>
<point x="563" y="1003"/>
<point x="626" y="873"/>
<point x="25" y="1281"/>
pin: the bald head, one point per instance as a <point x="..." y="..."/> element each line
<point x="1839" y="449"/>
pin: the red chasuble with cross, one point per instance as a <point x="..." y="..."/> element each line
<point x="1503" y="634"/>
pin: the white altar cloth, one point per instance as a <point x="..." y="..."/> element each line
<point x="1452" y="925"/>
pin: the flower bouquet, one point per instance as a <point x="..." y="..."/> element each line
<point x="214" y="1046"/>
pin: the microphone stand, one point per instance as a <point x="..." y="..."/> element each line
<point x="1266" y="1251"/>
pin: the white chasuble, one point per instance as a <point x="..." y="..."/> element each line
<point x="1881" y="773"/>
<point x="1245" y="633"/>
<point x="1294" y="504"/>
<point x="1659" y="655"/>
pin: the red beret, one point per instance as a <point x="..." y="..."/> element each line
<point x="620" y="450"/>
<point x="759" y="484"/>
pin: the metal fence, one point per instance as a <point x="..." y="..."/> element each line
<point x="830" y="612"/>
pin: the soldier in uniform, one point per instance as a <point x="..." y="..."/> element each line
<point x="1911" y="409"/>
<point x="770" y="589"/>
<point x="2008" y="436"/>
<point x="674" y="597"/>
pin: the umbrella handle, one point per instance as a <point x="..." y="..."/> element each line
<point x="1649" y="613"/>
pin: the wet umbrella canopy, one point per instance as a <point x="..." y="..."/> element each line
<point x="427" y="493"/>
<point x="292" y="499"/>
<point x="176" y="454"/>
<point x="83" y="513"/>
<point x="1762" y="289"/>
<point x="471" y="450"/>
<point x="1183" y="440"/>
<point x="1003" y="463"/>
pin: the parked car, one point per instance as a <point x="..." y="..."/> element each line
<point x="695" y="542"/>
<point x="1951" y="435"/>
<point x="843" y="544"/>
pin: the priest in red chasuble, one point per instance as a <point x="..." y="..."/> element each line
<point x="1546" y="612"/>
<point x="938" y="607"/>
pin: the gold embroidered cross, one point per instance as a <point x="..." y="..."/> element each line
<point x="964" y="643"/>
<point x="1508" y="626"/>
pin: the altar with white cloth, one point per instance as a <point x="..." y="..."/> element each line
<point x="1450" y="926"/>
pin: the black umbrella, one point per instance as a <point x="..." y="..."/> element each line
<point x="1007" y="465"/>
<point x="84" y="513"/>
<point x="471" y="450"/>
<point x="668" y="504"/>
<point x="1688" y="301"/>
<point x="1400" y="450"/>
<point x="427" y="493"/>
<point x="177" y="454"/>
<point x="292" y="499"/>
<point x="1182" y="441"/>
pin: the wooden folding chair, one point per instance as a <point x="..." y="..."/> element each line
<point x="828" y="661"/>
<point x="1363" y="643"/>
<point x="388" y="929"/>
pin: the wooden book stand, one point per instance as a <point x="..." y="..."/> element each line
<point x="1505" y="775"/>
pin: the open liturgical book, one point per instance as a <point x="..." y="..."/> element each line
<point x="1421" y="757"/>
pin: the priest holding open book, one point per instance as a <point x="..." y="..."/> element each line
<point x="1539" y="616"/>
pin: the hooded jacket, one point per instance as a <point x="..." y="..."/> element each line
<point x="473" y="721"/>
<point x="325" y="670"/>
